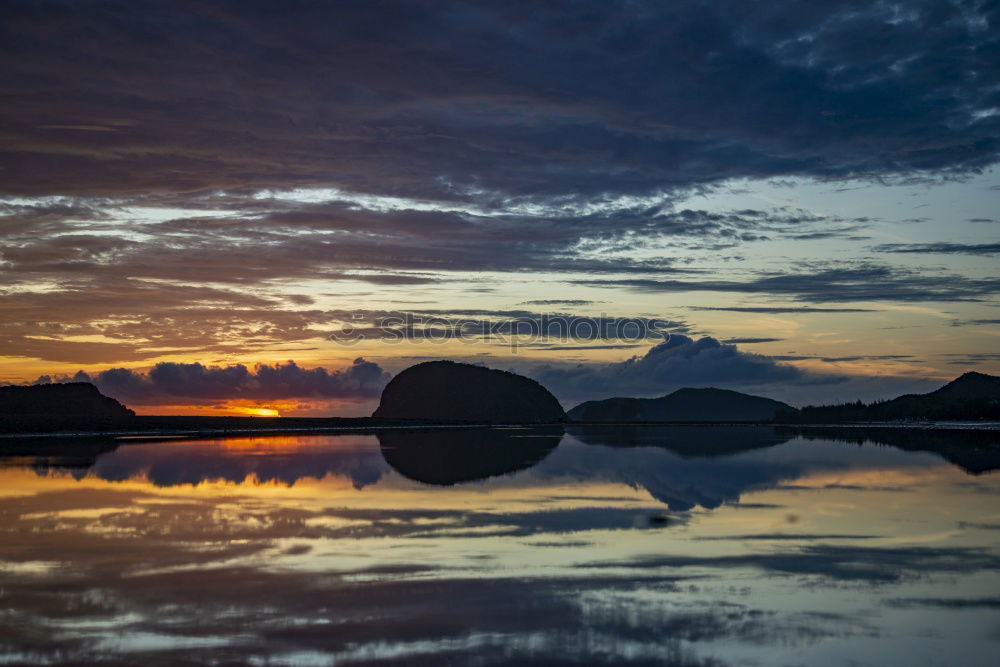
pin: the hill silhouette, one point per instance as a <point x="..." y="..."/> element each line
<point x="71" y="399"/>
<point x="972" y="396"/>
<point x="447" y="391"/>
<point x="683" y="405"/>
<point x="56" y="407"/>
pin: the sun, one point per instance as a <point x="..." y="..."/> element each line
<point x="261" y="412"/>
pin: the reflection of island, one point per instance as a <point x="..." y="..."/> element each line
<point x="166" y="462"/>
<point x="42" y="453"/>
<point x="682" y="466"/>
<point x="687" y="441"/>
<point x="973" y="450"/>
<point x="450" y="456"/>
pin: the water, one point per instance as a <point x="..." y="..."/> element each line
<point x="676" y="546"/>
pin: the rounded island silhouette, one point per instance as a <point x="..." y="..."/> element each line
<point x="447" y="391"/>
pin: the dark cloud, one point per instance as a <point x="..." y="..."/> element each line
<point x="806" y="537"/>
<point x="513" y="137"/>
<point x="565" y="348"/>
<point x="249" y="240"/>
<point x="829" y="284"/>
<point x="943" y="247"/>
<point x="559" y="302"/>
<point x="855" y="357"/>
<point x="678" y="362"/>
<point x="946" y="603"/>
<point x="453" y="98"/>
<point x="504" y="327"/>
<point x="174" y="383"/>
<point x="781" y="310"/>
<point x="170" y="168"/>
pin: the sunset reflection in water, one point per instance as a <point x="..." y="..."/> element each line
<point x="316" y="550"/>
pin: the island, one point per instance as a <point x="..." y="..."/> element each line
<point x="684" y="405"/>
<point x="450" y="392"/>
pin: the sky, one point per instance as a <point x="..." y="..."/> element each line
<point x="259" y="208"/>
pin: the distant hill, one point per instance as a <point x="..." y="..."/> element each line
<point x="446" y="391"/>
<point x="73" y="406"/>
<point x="683" y="405"/>
<point x="71" y="399"/>
<point x="972" y="396"/>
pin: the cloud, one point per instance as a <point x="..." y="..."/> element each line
<point x="855" y="357"/>
<point x="943" y="247"/>
<point x="960" y="323"/>
<point x="782" y="309"/>
<point x="146" y="319"/>
<point x="242" y="152"/>
<point x="946" y="603"/>
<point x="209" y="97"/>
<point x="559" y="302"/>
<point x="678" y="362"/>
<point x="510" y="145"/>
<point x="193" y="383"/>
<point x="830" y="284"/>
<point x="520" y="328"/>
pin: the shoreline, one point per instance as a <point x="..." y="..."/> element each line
<point x="182" y="427"/>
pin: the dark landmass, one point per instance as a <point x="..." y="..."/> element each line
<point x="446" y="457"/>
<point x="72" y="400"/>
<point x="449" y="392"/>
<point x="683" y="405"/>
<point x="972" y="396"/>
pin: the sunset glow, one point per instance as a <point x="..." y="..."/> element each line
<point x="484" y="332"/>
<point x="262" y="412"/>
<point x="428" y="181"/>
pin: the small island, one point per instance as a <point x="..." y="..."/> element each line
<point x="447" y="391"/>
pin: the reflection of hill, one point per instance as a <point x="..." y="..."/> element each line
<point x="973" y="450"/>
<point x="682" y="466"/>
<point x="687" y="441"/>
<point x="680" y="482"/>
<point x="55" y="453"/>
<point x="173" y="462"/>
<point x="236" y="460"/>
<point x="450" y="456"/>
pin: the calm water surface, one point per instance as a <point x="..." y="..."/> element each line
<point x="677" y="546"/>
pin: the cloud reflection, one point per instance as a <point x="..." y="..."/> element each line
<point x="139" y="561"/>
